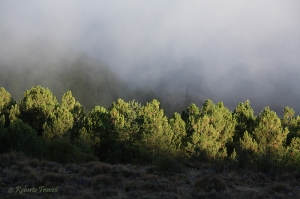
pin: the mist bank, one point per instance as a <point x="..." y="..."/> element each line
<point x="93" y="82"/>
<point x="224" y="51"/>
<point x="275" y="87"/>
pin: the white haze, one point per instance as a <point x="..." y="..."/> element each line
<point x="226" y="50"/>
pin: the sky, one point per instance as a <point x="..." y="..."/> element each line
<point x="226" y="50"/>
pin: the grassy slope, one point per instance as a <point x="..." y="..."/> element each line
<point x="100" y="180"/>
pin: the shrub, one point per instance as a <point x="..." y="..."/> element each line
<point x="278" y="187"/>
<point x="62" y="151"/>
<point x="33" y="163"/>
<point x="21" y="137"/>
<point x="5" y="160"/>
<point x="168" y="164"/>
<point x="87" y="157"/>
<point x="101" y="169"/>
<point x="207" y="183"/>
<point x="102" y="180"/>
<point x="54" y="178"/>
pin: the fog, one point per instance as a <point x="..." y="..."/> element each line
<point x="227" y="51"/>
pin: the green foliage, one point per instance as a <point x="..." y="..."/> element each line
<point x="14" y="113"/>
<point x="213" y="130"/>
<point x="84" y="140"/>
<point x="36" y="107"/>
<point x="68" y="101"/>
<point x="60" y="121"/>
<point x="78" y="120"/>
<point x="288" y="116"/>
<point x="6" y="102"/>
<point x="62" y="151"/>
<point x="244" y="115"/>
<point x="96" y="123"/>
<point x="126" y="120"/>
<point x="40" y="109"/>
<point x="156" y="134"/>
<point x="2" y="122"/>
<point x="179" y="139"/>
<point x="291" y="157"/>
<point x="264" y="148"/>
<point x="21" y="137"/>
<point x="128" y="132"/>
<point x="269" y="132"/>
<point x="191" y="117"/>
<point x="247" y="150"/>
<point x="99" y="126"/>
<point x="291" y="122"/>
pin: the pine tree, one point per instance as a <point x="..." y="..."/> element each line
<point x="244" y="115"/>
<point x="40" y="109"/>
<point x="291" y="122"/>
<point x="59" y="123"/>
<point x="269" y="132"/>
<point x="126" y="119"/>
<point x="213" y="130"/>
<point x="95" y="123"/>
<point x="100" y="129"/>
<point x="191" y="117"/>
<point x="156" y="134"/>
<point x="247" y="150"/>
<point x="179" y="138"/>
<point x="74" y="113"/>
<point x="36" y="107"/>
<point x="68" y="101"/>
<point x="6" y="101"/>
<point x="271" y="139"/>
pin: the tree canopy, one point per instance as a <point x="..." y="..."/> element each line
<point x="129" y="132"/>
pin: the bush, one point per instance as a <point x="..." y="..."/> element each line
<point x="54" y="178"/>
<point x="168" y="164"/>
<point x="87" y="157"/>
<point x="62" y="151"/>
<point x="101" y="169"/>
<point x="207" y="183"/>
<point x="102" y="180"/>
<point x="21" y="137"/>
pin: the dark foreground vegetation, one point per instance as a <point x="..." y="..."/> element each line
<point x="29" y="178"/>
<point x="222" y="145"/>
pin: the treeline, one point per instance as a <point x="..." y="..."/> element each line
<point x="129" y="132"/>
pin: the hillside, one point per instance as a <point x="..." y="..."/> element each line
<point x="91" y="81"/>
<point x="23" y="177"/>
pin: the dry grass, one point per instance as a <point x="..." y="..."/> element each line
<point x="54" y="178"/>
<point x="5" y="160"/>
<point x="55" y="169"/>
<point x="82" y="171"/>
<point x="101" y="169"/>
<point x="149" y="177"/>
<point x="72" y="168"/>
<point x="100" y="180"/>
<point x="33" y="163"/>
<point x="210" y="183"/>
<point x="279" y="188"/>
